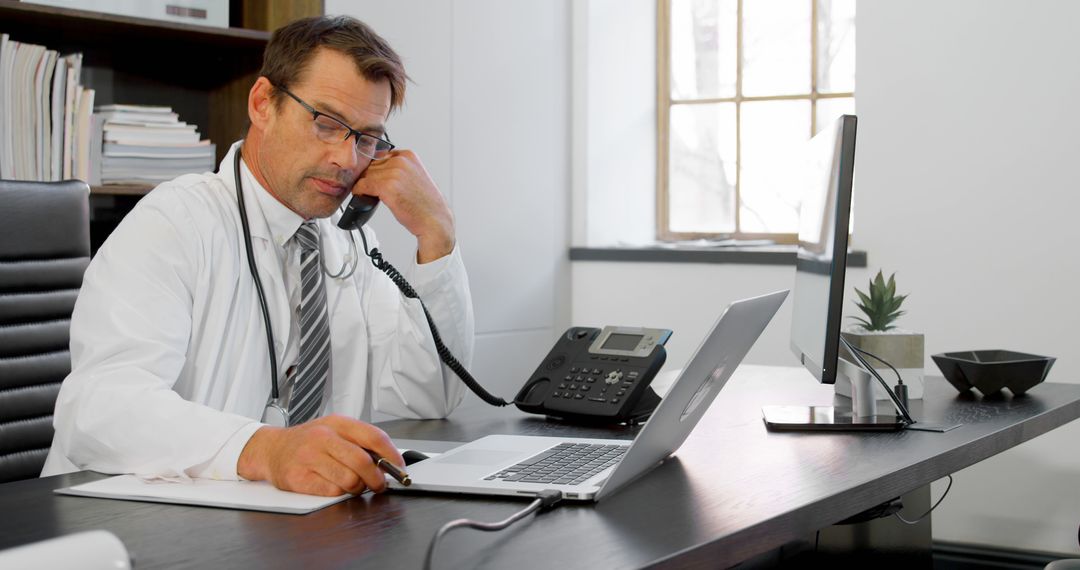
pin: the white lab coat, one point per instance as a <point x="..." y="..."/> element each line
<point x="170" y="369"/>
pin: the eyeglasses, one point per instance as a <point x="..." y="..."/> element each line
<point x="331" y="130"/>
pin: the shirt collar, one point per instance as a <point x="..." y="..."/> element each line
<point x="281" y="221"/>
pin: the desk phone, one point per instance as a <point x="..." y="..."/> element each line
<point x="598" y="375"/>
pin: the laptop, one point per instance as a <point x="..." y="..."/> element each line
<point x="588" y="469"/>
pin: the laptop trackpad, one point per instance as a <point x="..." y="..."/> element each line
<point x="479" y="457"/>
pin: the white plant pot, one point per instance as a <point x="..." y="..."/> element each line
<point x="903" y="349"/>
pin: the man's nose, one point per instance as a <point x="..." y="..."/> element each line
<point x="345" y="156"/>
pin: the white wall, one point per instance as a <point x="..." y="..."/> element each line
<point x="966" y="186"/>
<point x="614" y="121"/>
<point x="967" y="165"/>
<point x="686" y="298"/>
<point x="488" y="113"/>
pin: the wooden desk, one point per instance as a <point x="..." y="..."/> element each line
<point x="731" y="492"/>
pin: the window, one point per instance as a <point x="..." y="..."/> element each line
<point x="742" y="85"/>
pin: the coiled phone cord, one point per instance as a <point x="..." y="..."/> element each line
<point x="444" y="353"/>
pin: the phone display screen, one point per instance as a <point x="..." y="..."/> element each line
<point x="617" y="341"/>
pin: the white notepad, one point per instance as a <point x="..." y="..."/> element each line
<point x="245" y="495"/>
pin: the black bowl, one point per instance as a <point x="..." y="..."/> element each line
<point x="988" y="371"/>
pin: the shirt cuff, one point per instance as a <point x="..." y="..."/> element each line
<point x="223" y="465"/>
<point x="433" y="275"/>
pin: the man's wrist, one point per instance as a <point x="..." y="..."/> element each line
<point x="251" y="464"/>
<point x="431" y="249"/>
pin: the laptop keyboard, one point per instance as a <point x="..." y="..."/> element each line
<point x="564" y="464"/>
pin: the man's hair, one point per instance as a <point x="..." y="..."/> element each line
<point x="292" y="46"/>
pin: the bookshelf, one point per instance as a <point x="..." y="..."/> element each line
<point x="203" y="73"/>
<point x="121" y="190"/>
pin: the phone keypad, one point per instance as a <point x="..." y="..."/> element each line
<point x="580" y="384"/>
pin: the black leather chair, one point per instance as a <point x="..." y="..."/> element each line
<point x="44" y="251"/>
<point x="1067" y="563"/>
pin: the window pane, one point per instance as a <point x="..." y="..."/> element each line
<point x="773" y="136"/>
<point x="776" y="48"/>
<point x="836" y="46"/>
<point x="703" y="42"/>
<point x="701" y="191"/>
<point x="829" y="109"/>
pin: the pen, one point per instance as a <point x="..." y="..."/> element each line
<point x="393" y="470"/>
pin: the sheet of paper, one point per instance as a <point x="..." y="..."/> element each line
<point x="245" y="495"/>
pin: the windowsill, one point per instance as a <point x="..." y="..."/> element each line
<point x="741" y="255"/>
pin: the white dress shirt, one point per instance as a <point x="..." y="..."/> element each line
<point x="170" y="368"/>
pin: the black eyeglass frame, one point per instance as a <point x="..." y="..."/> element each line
<point x="349" y="131"/>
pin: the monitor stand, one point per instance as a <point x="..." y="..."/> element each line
<point x="862" y="415"/>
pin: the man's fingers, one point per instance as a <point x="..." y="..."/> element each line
<point x="316" y="459"/>
<point x="370" y="438"/>
<point x="328" y="454"/>
<point x="310" y="483"/>
<point x="356" y="459"/>
<point x="366" y="185"/>
<point x="340" y="476"/>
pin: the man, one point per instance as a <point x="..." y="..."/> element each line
<point x="170" y="363"/>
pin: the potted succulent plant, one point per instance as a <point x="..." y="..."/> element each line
<point x="876" y="333"/>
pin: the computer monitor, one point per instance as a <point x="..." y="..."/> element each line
<point x="821" y="257"/>
<point x="828" y="165"/>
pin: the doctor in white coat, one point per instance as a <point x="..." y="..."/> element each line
<point x="170" y="364"/>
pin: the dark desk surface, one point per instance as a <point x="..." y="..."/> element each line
<point x="732" y="491"/>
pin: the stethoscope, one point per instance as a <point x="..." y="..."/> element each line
<point x="276" y="412"/>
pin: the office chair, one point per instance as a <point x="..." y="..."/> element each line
<point x="1067" y="563"/>
<point x="44" y="250"/>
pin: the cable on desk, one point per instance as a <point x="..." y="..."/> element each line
<point x="927" y="513"/>
<point x="900" y="389"/>
<point x="899" y="379"/>
<point x="545" y="499"/>
<point x="899" y="398"/>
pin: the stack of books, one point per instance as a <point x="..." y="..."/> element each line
<point x="141" y="144"/>
<point x="44" y="114"/>
<point x="49" y="130"/>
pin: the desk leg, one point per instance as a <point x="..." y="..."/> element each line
<point x="884" y="542"/>
<point x="880" y="543"/>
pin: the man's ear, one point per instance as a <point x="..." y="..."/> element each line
<point x="260" y="105"/>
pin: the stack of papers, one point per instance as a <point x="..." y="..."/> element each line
<point x="146" y="144"/>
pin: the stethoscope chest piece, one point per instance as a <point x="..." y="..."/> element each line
<point x="274" y="415"/>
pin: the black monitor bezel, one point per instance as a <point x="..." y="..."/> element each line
<point x="825" y="371"/>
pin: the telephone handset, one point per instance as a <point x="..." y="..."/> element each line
<point x="357" y="213"/>
<point x="598" y="375"/>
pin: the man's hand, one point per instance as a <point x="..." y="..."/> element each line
<point x="327" y="456"/>
<point x="401" y="182"/>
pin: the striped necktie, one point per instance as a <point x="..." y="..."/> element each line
<point x="313" y="366"/>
